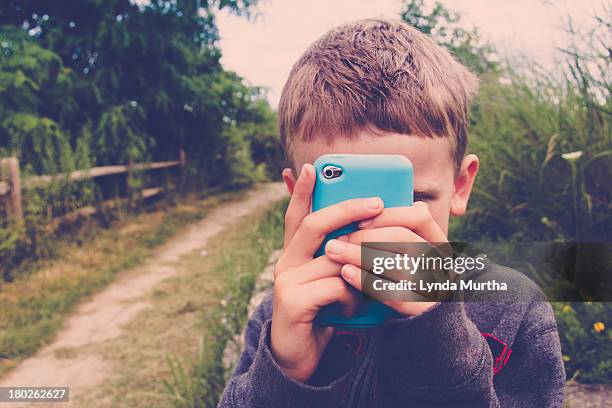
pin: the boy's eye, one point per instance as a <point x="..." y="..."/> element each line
<point x="423" y="197"/>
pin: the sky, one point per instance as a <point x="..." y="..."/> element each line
<point x="264" y="50"/>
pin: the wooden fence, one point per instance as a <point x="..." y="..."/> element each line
<point x="12" y="184"/>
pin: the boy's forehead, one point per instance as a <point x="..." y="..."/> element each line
<point x="431" y="157"/>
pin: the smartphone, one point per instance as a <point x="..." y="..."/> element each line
<point x="342" y="177"/>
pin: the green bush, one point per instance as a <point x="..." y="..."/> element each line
<point x="586" y="340"/>
<point x="235" y="166"/>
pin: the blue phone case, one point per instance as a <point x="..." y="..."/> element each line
<point x="389" y="177"/>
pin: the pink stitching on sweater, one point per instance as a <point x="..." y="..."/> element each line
<point x="502" y="359"/>
<point x="507" y="356"/>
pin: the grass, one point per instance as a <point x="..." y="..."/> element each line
<point x="33" y="306"/>
<point x="201" y="382"/>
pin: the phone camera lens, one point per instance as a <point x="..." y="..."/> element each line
<point x="331" y="172"/>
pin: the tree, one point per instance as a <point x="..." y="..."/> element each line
<point x="27" y="71"/>
<point x="443" y="26"/>
<point x="145" y="77"/>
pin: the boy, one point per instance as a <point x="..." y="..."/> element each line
<point x="382" y="87"/>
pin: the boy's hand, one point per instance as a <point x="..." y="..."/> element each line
<point x="398" y="224"/>
<point x="303" y="285"/>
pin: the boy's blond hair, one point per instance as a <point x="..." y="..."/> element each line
<point x="381" y="76"/>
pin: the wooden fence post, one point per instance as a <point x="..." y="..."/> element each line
<point x="129" y="193"/>
<point x="182" y="164"/>
<point x="9" y="171"/>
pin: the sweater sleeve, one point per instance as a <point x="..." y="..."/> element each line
<point x="440" y="358"/>
<point x="535" y="374"/>
<point x="258" y="381"/>
<point x="437" y="358"/>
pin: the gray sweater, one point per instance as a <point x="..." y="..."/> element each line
<point x="461" y="354"/>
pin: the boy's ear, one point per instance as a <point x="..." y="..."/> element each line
<point x="289" y="179"/>
<point x="463" y="184"/>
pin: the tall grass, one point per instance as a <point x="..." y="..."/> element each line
<point x="545" y="145"/>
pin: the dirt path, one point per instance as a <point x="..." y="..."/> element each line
<point x="587" y="395"/>
<point x="103" y="317"/>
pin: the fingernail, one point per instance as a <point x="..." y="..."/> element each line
<point x="365" y="223"/>
<point x="373" y="203"/>
<point x="342" y="238"/>
<point x="335" y="247"/>
<point x="349" y="271"/>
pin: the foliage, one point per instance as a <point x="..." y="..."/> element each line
<point x="444" y="27"/>
<point x="27" y="73"/>
<point x="121" y="135"/>
<point x="586" y="340"/>
<point x="265" y="147"/>
<point x="252" y="152"/>
<point x="145" y="76"/>
<point x="234" y="163"/>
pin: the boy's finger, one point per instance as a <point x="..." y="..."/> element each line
<point x="416" y="218"/>
<point x="326" y="291"/>
<point x="418" y="303"/>
<point x="313" y="228"/>
<point x="343" y="252"/>
<point x="350" y="254"/>
<point x="299" y="205"/>
<point x="384" y="235"/>
<point x="352" y="275"/>
<point x="319" y="268"/>
<point x="399" y="240"/>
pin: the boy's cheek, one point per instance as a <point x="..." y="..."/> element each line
<point x="440" y="212"/>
